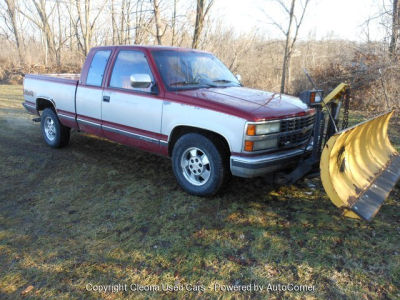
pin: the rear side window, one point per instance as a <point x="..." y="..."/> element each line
<point x="97" y="67"/>
<point x="129" y="63"/>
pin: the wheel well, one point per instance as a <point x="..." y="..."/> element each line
<point x="218" y="139"/>
<point x="41" y="104"/>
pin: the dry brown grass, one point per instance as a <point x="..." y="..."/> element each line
<point x="99" y="212"/>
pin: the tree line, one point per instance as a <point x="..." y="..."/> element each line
<point x="55" y="36"/>
<point x="77" y="25"/>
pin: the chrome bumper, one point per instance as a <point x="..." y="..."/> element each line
<point x="259" y="165"/>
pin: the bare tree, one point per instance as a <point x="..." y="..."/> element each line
<point x="40" y="16"/>
<point x="113" y="23"/>
<point x="157" y="22"/>
<point x="202" y="9"/>
<point x="126" y="20"/>
<point x="11" y="11"/>
<point x="395" y="34"/>
<point x="122" y="32"/>
<point x="61" y="40"/>
<point x="173" y="24"/>
<point x="86" y="23"/>
<point x="290" y="32"/>
<point x="121" y="29"/>
<point x="142" y="21"/>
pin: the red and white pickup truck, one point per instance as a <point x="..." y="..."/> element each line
<point x="179" y="103"/>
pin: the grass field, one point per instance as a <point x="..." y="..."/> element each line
<point x="101" y="213"/>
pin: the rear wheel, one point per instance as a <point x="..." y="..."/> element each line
<point x="198" y="164"/>
<point x="54" y="133"/>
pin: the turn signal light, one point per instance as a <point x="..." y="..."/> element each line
<point x="251" y="129"/>
<point x="312" y="97"/>
<point x="248" y="146"/>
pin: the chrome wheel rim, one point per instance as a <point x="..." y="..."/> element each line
<point x="195" y="165"/>
<point x="50" y="128"/>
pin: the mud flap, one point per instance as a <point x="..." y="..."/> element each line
<point x="360" y="167"/>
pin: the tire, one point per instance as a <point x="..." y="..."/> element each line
<point x="54" y="133"/>
<point x="199" y="164"/>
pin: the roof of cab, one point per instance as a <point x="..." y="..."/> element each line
<point x="152" y="47"/>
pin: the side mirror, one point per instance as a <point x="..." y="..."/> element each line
<point x="238" y="77"/>
<point x="141" y="81"/>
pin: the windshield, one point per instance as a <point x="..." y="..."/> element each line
<point x="189" y="70"/>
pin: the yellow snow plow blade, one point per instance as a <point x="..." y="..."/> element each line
<point x="359" y="167"/>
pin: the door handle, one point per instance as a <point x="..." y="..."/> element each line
<point x="106" y="98"/>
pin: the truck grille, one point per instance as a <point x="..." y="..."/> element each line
<point x="295" y="131"/>
<point x="297" y="123"/>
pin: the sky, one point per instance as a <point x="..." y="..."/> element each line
<point x="325" y="18"/>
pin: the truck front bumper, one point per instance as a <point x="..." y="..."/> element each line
<point x="259" y="165"/>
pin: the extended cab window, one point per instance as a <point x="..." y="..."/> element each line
<point x="97" y="67"/>
<point x="129" y="63"/>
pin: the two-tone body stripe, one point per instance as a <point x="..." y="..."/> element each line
<point x="66" y="116"/>
<point x="114" y="129"/>
<point x="98" y="125"/>
<point x="122" y="132"/>
<point x="164" y="143"/>
<point x="130" y="134"/>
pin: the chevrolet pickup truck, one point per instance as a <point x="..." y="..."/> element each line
<point x="179" y="103"/>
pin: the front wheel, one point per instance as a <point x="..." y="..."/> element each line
<point x="198" y="164"/>
<point x="54" y="133"/>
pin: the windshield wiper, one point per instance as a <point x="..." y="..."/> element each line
<point x="185" y="83"/>
<point x="224" y="81"/>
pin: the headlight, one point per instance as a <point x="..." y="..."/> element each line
<point x="268" y="143"/>
<point x="261" y="136"/>
<point x="265" y="128"/>
<point x="265" y="144"/>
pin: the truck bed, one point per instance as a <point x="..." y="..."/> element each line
<point x="62" y="78"/>
<point x="65" y="76"/>
<point x="58" y="88"/>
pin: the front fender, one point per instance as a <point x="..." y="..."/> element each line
<point x="228" y="126"/>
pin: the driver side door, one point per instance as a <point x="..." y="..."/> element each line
<point x="131" y="116"/>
